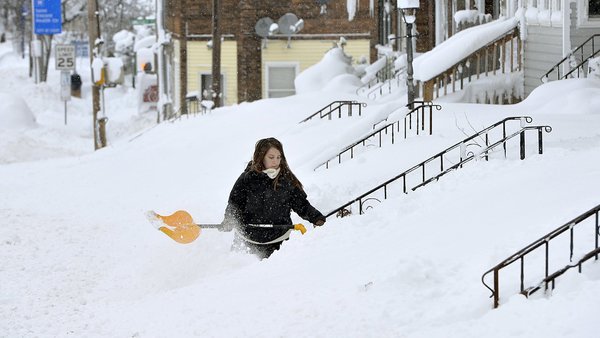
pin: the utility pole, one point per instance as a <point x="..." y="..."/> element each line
<point x="409" y="68"/>
<point x="409" y="14"/>
<point x="95" y="43"/>
<point x="216" y="53"/>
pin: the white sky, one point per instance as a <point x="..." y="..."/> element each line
<point x="80" y="259"/>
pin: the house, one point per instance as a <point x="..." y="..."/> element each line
<point x="260" y="57"/>
<point x="552" y="33"/>
<point x="549" y="34"/>
<point x="258" y="61"/>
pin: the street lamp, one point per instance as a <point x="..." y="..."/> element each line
<point x="408" y="8"/>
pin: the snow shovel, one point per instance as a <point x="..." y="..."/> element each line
<point x="180" y="226"/>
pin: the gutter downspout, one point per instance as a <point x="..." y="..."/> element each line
<point x="161" y="71"/>
<point x="566" y="33"/>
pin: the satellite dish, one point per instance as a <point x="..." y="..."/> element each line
<point x="263" y="27"/>
<point x="298" y="26"/>
<point x="287" y="23"/>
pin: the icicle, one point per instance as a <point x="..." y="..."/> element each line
<point x="351" y="7"/>
<point x="372" y="8"/>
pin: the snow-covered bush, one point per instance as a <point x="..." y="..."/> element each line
<point x="14" y="113"/>
<point x="594" y="68"/>
<point x="334" y="63"/>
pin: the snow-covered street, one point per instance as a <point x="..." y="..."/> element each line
<point x="79" y="258"/>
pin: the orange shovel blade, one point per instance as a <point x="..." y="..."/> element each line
<point x="182" y="233"/>
<point x="179" y="217"/>
<point x="179" y="226"/>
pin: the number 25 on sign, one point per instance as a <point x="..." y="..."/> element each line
<point x="65" y="57"/>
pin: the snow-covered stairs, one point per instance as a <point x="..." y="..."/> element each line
<point x="477" y="146"/>
<point x="565" y="236"/>
<point x="388" y="129"/>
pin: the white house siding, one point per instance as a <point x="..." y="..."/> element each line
<point x="543" y="49"/>
<point x="580" y="35"/>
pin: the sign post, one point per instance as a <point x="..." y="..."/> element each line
<point x="65" y="89"/>
<point x="65" y="62"/>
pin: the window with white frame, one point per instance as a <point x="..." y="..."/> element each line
<point x="594" y="8"/>
<point x="588" y="13"/>
<point x="280" y="79"/>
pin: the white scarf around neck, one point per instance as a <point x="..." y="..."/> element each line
<point x="272" y="173"/>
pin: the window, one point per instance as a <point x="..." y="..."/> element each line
<point x="280" y="79"/>
<point x="594" y="9"/>
<point x="206" y="87"/>
<point x="588" y="13"/>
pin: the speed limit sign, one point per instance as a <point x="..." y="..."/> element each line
<point x="65" y="57"/>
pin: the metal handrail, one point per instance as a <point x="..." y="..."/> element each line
<point x="380" y="89"/>
<point x="382" y="75"/>
<point x="464" y="158"/>
<point x="544" y="241"/>
<point x="567" y="58"/>
<point x="483" y="64"/>
<point x="472" y="156"/>
<point x="338" y="108"/>
<point x="379" y="132"/>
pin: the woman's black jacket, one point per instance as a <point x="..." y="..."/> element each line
<point x="255" y="200"/>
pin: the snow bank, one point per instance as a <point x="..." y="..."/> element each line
<point x="499" y="87"/>
<point x="315" y="78"/>
<point x="594" y="68"/>
<point x="572" y="96"/>
<point x="14" y="113"/>
<point x="7" y="58"/>
<point x="371" y="70"/>
<point x="346" y="83"/>
<point x="400" y="270"/>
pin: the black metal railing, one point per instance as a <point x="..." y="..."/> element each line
<point x="464" y="157"/>
<point x="387" y="86"/>
<point x="192" y="105"/>
<point x="382" y="76"/>
<point x="417" y="114"/>
<point x="336" y="107"/>
<point x="549" y="279"/>
<point x="576" y="60"/>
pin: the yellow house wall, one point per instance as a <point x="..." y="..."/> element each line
<point x="306" y="53"/>
<point x="200" y="61"/>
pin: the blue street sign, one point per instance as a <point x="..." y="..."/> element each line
<point x="47" y="17"/>
<point x="81" y="48"/>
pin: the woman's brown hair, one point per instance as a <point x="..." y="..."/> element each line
<point x="261" y="149"/>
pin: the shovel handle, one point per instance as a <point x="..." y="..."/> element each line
<point x="181" y="227"/>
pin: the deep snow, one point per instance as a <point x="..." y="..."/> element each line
<point x="80" y="259"/>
